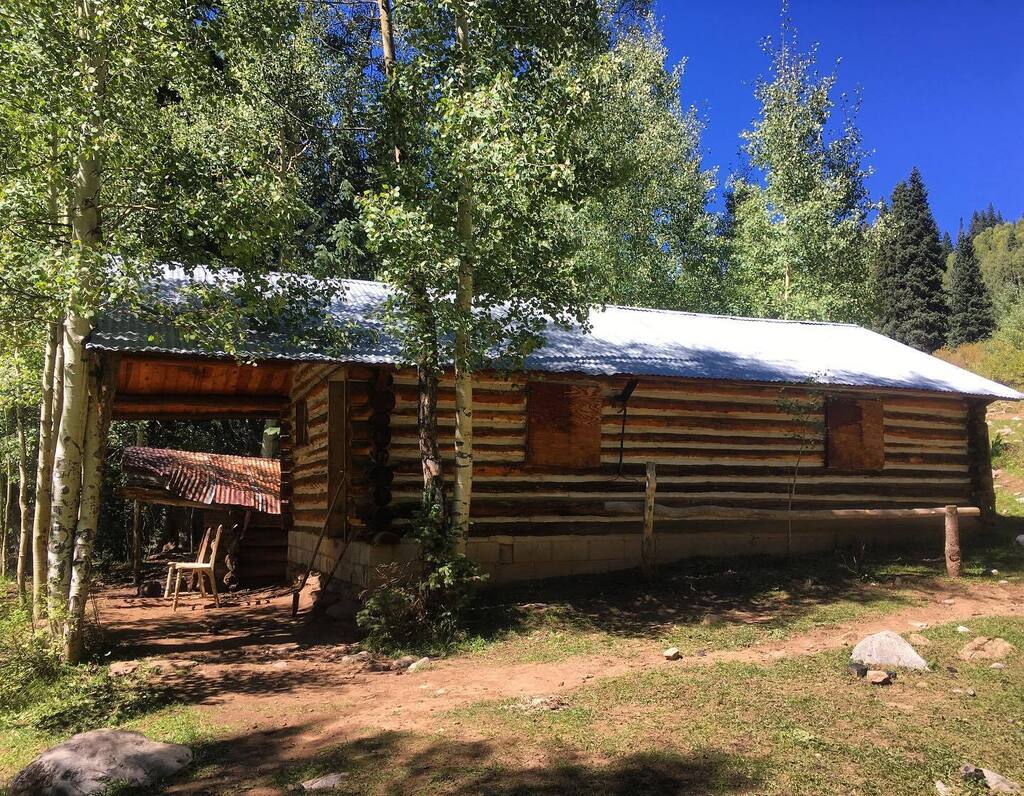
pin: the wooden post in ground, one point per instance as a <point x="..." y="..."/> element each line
<point x="952" y="542"/>
<point x="647" y="554"/>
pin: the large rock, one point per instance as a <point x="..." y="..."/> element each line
<point x="91" y="762"/>
<point x="887" y="649"/>
<point x="989" y="649"/>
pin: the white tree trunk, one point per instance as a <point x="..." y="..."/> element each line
<point x="67" y="466"/>
<point x="85" y="223"/>
<point x="24" y="511"/>
<point x="5" y="519"/>
<point x="97" y="423"/>
<point x="48" y="412"/>
<point x="463" y="491"/>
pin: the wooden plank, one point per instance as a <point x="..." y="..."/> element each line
<point x="732" y="513"/>
<point x="647" y="556"/>
<point x="854" y="434"/>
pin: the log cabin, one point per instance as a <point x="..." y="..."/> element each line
<point x="649" y="435"/>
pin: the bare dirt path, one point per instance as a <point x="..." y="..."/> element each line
<point x="283" y="688"/>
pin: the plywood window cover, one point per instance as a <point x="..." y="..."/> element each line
<point x="563" y="424"/>
<point x="855" y="434"/>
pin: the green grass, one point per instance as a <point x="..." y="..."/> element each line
<point x="760" y="601"/>
<point x="798" y="726"/>
<point x="44" y="701"/>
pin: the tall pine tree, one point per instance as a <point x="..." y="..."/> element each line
<point x="910" y="299"/>
<point x="971" y="317"/>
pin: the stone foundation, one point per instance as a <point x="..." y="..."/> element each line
<point x="508" y="558"/>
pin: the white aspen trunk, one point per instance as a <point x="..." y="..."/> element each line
<point x="140" y="439"/>
<point x="85" y="222"/>
<point x="463" y="491"/>
<point x="97" y="423"/>
<point x="67" y="466"/>
<point x="48" y="411"/>
<point x="24" y="513"/>
<point x="5" y="520"/>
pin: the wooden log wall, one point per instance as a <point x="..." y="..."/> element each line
<point x="714" y="444"/>
<point x="361" y="469"/>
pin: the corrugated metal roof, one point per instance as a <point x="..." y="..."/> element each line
<point x="212" y="478"/>
<point x="622" y="340"/>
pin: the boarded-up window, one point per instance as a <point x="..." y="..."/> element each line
<point x="855" y="434"/>
<point x="563" y="425"/>
<point x="301" y="422"/>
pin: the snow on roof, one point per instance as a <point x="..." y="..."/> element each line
<point x="621" y="340"/>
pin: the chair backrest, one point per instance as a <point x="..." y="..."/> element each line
<point x="203" y="545"/>
<point x="215" y="545"/>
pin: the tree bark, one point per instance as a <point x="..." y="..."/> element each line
<point x="97" y="425"/>
<point x="67" y="467"/>
<point x="435" y="500"/>
<point x="48" y="412"/>
<point x="140" y="439"/>
<point x="5" y="519"/>
<point x="85" y="222"/>
<point x="24" y="514"/>
<point x="464" y="301"/>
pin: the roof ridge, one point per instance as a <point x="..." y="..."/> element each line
<point x="724" y="316"/>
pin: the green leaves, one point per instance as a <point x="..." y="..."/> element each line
<point x="797" y="244"/>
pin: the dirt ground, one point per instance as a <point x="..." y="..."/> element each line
<point x="282" y="688"/>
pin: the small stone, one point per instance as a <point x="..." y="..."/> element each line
<point x="1020" y="540"/>
<point x="404" y="662"/>
<point x="918" y="640"/>
<point x="997" y="783"/>
<point x="710" y="620"/>
<point x="994" y="781"/>
<point x="422" y="663"/>
<point x="887" y="649"/>
<point x="325" y="782"/>
<point x="971" y="692"/>
<point x="878" y="677"/>
<point x="962" y="629"/>
<point x="672" y="654"/>
<point x="857" y="669"/>
<point x="997" y="665"/>
<point x="995" y="572"/>
<point x="982" y="648"/>
<point x="942" y="788"/>
<point x="123" y="668"/>
<point x="949" y="601"/>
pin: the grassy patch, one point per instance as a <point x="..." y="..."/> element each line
<point x="43" y="700"/>
<point x="802" y="725"/>
<point x="711" y="604"/>
<point x="798" y="726"/>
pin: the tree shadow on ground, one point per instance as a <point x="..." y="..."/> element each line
<point x="402" y="762"/>
<point x="770" y="592"/>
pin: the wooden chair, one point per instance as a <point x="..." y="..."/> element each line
<point x="200" y="558"/>
<point x="197" y="571"/>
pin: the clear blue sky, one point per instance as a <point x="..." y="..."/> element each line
<point x="941" y="81"/>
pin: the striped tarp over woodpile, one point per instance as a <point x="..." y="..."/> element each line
<point x="216" y="479"/>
